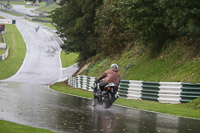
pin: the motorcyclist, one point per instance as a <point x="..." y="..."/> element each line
<point x="111" y="75"/>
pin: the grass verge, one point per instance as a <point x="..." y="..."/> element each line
<point x="68" y="59"/>
<point x="17" y="51"/>
<point x="173" y="109"/>
<point x="48" y="9"/>
<point x="2" y="51"/>
<point x="60" y="87"/>
<point x="9" y="127"/>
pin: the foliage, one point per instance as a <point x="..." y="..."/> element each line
<point x="195" y="104"/>
<point x="92" y="27"/>
<point x="110" y="30"/>
<point x="155" y="21"/>
<point x="151" y="22"/>
<point x="75" y="20"/>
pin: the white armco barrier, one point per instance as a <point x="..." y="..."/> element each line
<point x="78" y="81"/>
<point x="90" y="84"/>
<point x="74" y="81"/>
<point x="163" y="92"/>
<point x="5" y="55"/>
<point x="134" y="90"/>
<point x="169" y="92"/>
<point x="84" y="82"/>
<point x="2" y="45"/>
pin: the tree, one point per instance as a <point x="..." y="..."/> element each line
<point x="112" y="36"/>
<point x="75" y="19"/>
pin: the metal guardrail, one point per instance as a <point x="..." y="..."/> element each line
<point x="163" y="92"/>
<point x="150" y="91"/>
<point x="5" y="55"/>
<point x="189" y="92"/>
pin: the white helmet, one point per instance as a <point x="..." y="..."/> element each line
<point x="114" y="66"/>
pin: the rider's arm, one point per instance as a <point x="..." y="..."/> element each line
<point x="102" y="76"/>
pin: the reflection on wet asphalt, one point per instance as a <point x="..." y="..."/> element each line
<point x="36" y="105"/>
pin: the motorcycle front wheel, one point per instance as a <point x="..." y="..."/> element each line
<point x="95" y="101"/>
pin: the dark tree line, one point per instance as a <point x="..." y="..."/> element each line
<point x="108" y="26"/>
<point x="75" y="19"/>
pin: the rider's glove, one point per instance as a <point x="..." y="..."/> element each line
<point x="96" y="81"/>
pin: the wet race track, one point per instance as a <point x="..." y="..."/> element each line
<point x="38" y="106"/>
<point x="26" y="99"/>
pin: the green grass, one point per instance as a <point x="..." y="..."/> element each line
<point x="60" y="87"/>
<point x="50" y="25"/>
<point x="17" y="51"/>
<point x="2" y="51"/>
<point x="68" y="59"/>
<point x="9" y="127"/>
<point x="46" y="18"/>
<point x="48" y="9"/>
<point x="174" y="109"/>
<point x="195" y="104"/>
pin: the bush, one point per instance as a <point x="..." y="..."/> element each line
<point x="155" y="21"/>
<point x="195" y="104"/>
<point x="112" y="36"/>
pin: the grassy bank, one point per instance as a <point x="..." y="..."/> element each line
<point x="68" y="59"/>
<point x="174" y="109"/>
<point x="17" y="51"/>
<point x="9" y="127"/>
<point x="175" y="63"/>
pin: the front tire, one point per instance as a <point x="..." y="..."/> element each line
<point x="94" y="101"/>
<point x="107" y="103"/>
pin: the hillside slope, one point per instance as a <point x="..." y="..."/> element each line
<point x="178" y="61"/>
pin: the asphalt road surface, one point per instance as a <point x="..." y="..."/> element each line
<point x="26" y="99"/>
<point x="42" y="62"/>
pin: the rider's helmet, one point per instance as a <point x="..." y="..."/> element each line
<point x="114" y="66"/>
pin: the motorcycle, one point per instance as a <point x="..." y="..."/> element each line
<point x="105" y="97"/>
